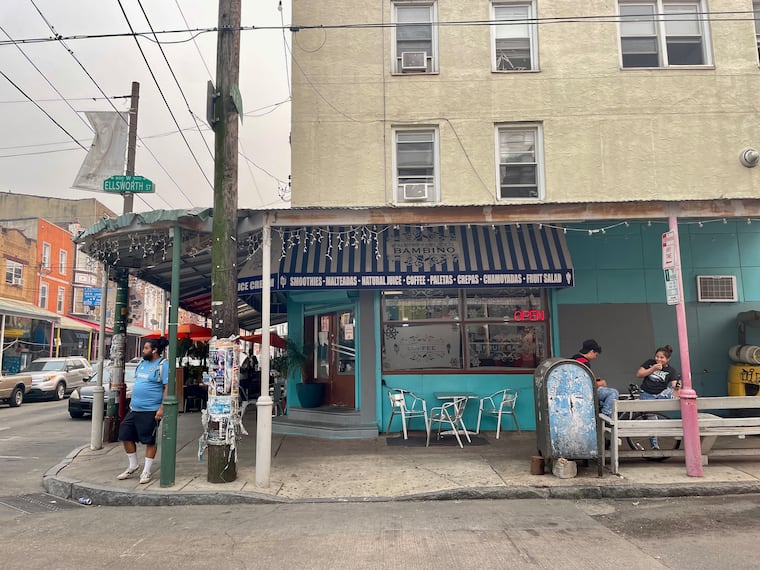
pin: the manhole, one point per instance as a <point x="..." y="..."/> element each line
<point x="38" y="503"/>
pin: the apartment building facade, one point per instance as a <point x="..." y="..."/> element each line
<point x="521" y="125"/>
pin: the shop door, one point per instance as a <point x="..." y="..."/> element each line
<point x="336" y="357"/>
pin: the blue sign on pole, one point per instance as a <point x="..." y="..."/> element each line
<point x="91" y="296"/>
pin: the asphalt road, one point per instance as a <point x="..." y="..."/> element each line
<point x="691" y="534"/>
<point x="34" y="437"/>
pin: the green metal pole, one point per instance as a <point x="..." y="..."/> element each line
<point x="169" y="431"/>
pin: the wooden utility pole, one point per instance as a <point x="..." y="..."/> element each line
<point x="224" y="317"/>
<point x="117" y="400"/>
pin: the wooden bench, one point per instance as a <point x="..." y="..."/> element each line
<point x="710" y="426"/>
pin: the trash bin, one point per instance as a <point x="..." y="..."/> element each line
<point x="566" y="411"/>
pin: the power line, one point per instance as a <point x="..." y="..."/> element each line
<point x="192" y="37"/>
<point x="285" y="47"/>
<point x="181" y="91"/>
<point x="43" y="110"/>
<point x="70" y="106"/>
<point x="701" y="16"/>
<point x="166" y="102"/>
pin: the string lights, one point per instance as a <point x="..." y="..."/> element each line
<point x="156" y="246"/>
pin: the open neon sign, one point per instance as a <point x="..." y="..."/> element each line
<point x="532" y="315"/>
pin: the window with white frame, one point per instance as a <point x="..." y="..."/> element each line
<point x="63" y="257"/>
<point x="45" y="256"/>
<point x="514" y="41"/>
<point x="43" y="300"/>
<point x="756" y="10"/>
<point x="663" y="33"/>
<point x="59" y="300"/>
<point x="519" y="155"/>
<point x="14" y="273"/>
<point x="415" y="41"/>
<point x="416" y="165"/>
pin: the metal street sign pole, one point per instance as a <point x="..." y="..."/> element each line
<point x="692" y="445"/>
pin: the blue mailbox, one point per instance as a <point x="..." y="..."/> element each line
<point x="566" y="411"/>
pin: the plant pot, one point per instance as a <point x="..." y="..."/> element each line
<point x="310" y="395"/>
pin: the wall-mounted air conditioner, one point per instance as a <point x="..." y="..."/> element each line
<point x="416" y="192"/>
<point x="414" y="61"/>
<point x="716" y="288"/>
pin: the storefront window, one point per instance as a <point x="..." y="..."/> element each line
<point x="464" y="329"/>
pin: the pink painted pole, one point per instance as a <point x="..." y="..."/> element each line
<point x="692" y="445"/>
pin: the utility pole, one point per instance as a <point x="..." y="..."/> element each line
<point x="224" y="317"/>
<point x="117" y="397"/>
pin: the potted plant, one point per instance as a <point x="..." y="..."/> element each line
<point x="297" y="357"/>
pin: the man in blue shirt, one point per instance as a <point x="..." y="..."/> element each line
<point x="147" y="408"/>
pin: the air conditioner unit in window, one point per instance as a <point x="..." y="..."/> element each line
<point x="416" y="192"/>
<point x="716" y="288"/>
<point x="414" y="61"/>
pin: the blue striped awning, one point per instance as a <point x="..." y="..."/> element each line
<point x="430" y="257"/>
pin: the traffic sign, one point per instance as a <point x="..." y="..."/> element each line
<point x="123" y="183"/>
<point x="669" y="260"/>
<point x="671" y="287"/>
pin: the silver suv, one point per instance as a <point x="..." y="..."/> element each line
<point x="56" y="377"/>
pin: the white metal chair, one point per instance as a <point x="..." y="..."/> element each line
<point x="499" y="404"/>
<point x="450" y="413"/>
<point x="408" y="405"/>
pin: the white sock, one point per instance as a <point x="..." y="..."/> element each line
<point x="132" y="460"/>
<point x="148" y="465"/>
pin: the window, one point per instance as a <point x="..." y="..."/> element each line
<point x="514" y="44"/>
<point x="415" y="38"/>
<point x="45" y="256"/>
<point x="756" y="10"/>
<point x="464" y="329"/>
<point x="62" y="261"/>
<point x="415" y="163"/>
<point x="520" y="173"/>
<point x="14" y="273"/>
<point x="43" y="296"/>
<point x="59" y="299"/>
<point x="663" y="33"/>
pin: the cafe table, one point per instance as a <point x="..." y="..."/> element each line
<point x="457" y="394"/>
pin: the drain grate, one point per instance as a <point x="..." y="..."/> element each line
<point x="38" y="503"/>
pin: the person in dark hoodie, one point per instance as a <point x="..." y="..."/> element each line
<point x="589" y="351"/>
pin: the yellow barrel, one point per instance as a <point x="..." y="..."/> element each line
<point x="743" y="379"/>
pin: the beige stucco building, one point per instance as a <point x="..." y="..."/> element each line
<point x="563" y="102"/>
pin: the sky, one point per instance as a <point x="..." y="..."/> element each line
<point x="40" y="157"/>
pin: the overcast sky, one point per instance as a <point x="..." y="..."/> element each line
<point x="38" y="157"/>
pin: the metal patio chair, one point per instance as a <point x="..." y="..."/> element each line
<point x="499" y="404"/>
<point x="449" y="413"/>
<point x="408" y="405"/>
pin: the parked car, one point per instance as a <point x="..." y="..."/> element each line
<point x="56" y="377"/>
<point x="13" y="387"/>
<point x="80" y="401"/>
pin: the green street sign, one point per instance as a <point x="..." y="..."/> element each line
<point x="134" y="184"/>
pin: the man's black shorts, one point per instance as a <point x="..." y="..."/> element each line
<point x="139" y="426"/>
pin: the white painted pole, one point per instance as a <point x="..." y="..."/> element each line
<point x="264" y="403"/>
<point x="96" y="434"/>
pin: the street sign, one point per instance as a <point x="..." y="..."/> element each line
<point x="669" y="250"/>
<point x="135" y="184"/>
<point x="671" y="286"/>
<point x="91" y="296"/>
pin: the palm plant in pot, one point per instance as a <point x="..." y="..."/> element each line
<point x="297" y="357"/>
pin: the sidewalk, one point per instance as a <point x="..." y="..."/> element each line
<point x="312" y="470"/>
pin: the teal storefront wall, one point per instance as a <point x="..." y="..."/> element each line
<point x="619" y="273"/>
<point x="618" y="298"/>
